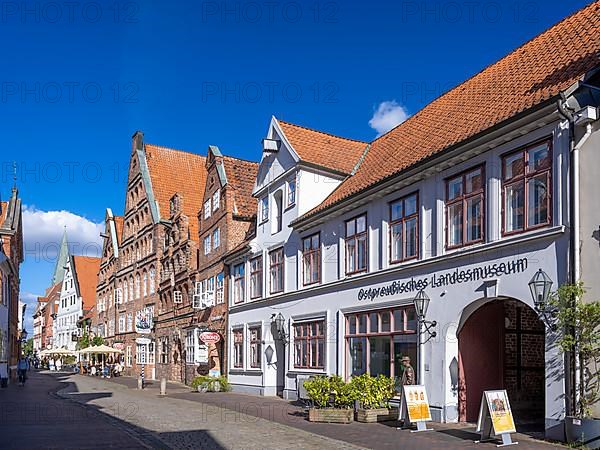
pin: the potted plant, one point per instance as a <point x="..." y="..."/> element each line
<point x="332" y="398"/>
<point x="373" y="396"/>
<point x="205" y="383"/>
<point x="580" y="322"/>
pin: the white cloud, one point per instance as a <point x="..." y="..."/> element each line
<point x="387" y="115"/>
<point x="43" y="230"/>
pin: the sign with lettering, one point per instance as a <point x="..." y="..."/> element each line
<point x="416" y="403"/>
<point x="450" y="278"/>
<point x="210" y="337"/>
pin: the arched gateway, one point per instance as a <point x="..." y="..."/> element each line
<point x="501" y="345"/>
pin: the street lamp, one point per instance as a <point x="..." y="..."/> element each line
<point x="421" y="302"/>
<point x="540" y="286"/>
<point x="279" y="322"/>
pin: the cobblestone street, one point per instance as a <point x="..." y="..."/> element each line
<point x="71" y="411"/>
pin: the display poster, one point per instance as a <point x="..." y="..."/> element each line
<point x="417" y="404"/>
<point x="498" y="408"/>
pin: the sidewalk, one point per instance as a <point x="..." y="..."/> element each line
<point x="232" y="407"/>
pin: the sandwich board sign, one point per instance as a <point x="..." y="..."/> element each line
<point x="415" y="407"/>
<point x="495" y="418"/>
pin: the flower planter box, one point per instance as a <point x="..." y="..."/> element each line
<point x="330" y="415"/>
<point x="377" y="415"/>
<point x="584" y="432"/>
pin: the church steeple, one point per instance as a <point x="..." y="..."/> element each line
<point x="61" y="260"/>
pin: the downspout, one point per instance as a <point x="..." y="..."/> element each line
<point x="574" y="221"/>
<point x="569" y="369"/>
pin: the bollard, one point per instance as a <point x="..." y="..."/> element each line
<point x="163" y="386"/>
<point x="140" y="383"/>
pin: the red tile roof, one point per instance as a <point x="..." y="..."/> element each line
<point x="537" y="71"/>
<point x="241" y="176"/>
<point x="173" y="171"/>
<point x="86" y="269"/>
<point x="324" y="149"/>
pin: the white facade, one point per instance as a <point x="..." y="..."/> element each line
<point x="68" y="312"/>
<point x="459" y="281"/>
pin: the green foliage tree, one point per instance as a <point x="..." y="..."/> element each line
<point x="28" y="347"/>
<point x="84" y="341"/>
<point x="97" y="340"/>
<point x="580" y="325"/>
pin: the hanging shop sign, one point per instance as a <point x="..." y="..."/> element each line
<point x="210" y="337"/>
<point x="495" y="416"/>
<point x="144" y="320"/>
<point x="450" y="278"/>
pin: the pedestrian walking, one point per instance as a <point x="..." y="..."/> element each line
<point x="408" y="374"/>
<point x="22" y="368"/>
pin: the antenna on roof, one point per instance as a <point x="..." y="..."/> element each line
<point x="14" y="189"/>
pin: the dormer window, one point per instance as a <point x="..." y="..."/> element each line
<point x="291" y="197"/>
<point x="264" y="209"/>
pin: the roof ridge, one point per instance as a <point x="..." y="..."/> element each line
<point x="162" y="147"/>
<point x="241" y="159"/>
<point x="489" y="66"/>
<point x="322" y="132"/>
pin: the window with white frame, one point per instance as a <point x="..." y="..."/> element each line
<point x="128" y="356"/>
<point x="207" y="244"/>
<point x="465" y="200"/>
<point x="404" y="224"/>
<point x="152" y="280"/>
<point x="255" y="346"/>
<point x="129" y="322"/>
<point x="309" y="344"/>
<point x="125" y="292"/>
<point x="163" y="349"/>
<point x="190" y="346"/>
<point x="238" y="283"/>
<point x="219" y="293"/>
<point x="356" y="244"/>
<point x="216" y="200"/>
<point x="141" y="354"/>
<point x="291" y="193"/>
<point x="216" y="238"/>
<point x="256" y="277"/>
<point x="207" y="209"/>
<point x="137" y="286"/>
<point x="122" y="323"/>
<point x="238" y="348"/>
<point x="177" y="297"/>
<point x="311" y="258"/>
<point x="276" y="270"/>
<point x="277" y="211"/>
<point x="145" y="284"/>
<point x="264" y="208"/>
<point x="151" y="355"/>
<point x="526" y="188"/>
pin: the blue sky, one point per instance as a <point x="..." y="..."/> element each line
<point x="79" y="78"/>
